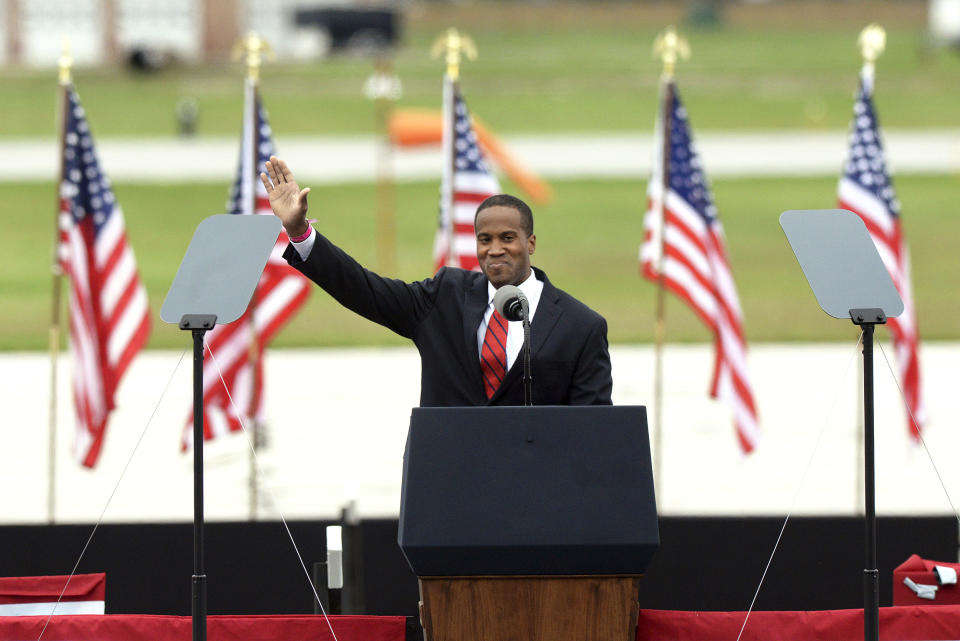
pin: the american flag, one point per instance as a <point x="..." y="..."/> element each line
<point x="865" y="189"/>
<point x="239" y="346"/>
<point x="109" y="312"/>
<point x="467" y="182"/>
<point x="694" y="263"/>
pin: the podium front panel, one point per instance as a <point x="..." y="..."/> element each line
<point x="528" y="491"/>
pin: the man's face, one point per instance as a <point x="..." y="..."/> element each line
<point x="503" y="247"/>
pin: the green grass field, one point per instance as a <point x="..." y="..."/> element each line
<point x="551" y="67"/>
<point x="587" y="243"/>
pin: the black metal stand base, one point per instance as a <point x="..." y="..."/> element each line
<point x="871" y="609"/>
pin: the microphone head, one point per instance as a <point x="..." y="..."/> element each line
<point x="504" y="295"/>
<point x="510" y="302"/>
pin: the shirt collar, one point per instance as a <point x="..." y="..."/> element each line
<point x="525" y="287"/>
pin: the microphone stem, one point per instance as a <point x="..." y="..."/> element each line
<point x="527" y="378"/>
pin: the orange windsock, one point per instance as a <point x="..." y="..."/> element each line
<point x="536" y="188"/>
<point x="416" y="127"/>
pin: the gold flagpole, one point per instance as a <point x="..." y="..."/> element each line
<point x="454" y="45"/>
<point x="252" y="48"/>
<point x="872" y="41"/>
<point x="66" y="62"/>
<point x="669" y="46"/>
<point x="383" y="87"/>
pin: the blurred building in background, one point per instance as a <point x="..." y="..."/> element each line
<point x="944" y="22"/>
<point x="151" y="33"/>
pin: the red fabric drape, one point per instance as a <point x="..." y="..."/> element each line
<point x="122" y="627"/>
<point x="910" y="623"/>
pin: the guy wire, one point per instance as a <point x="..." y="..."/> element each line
<point x="913" y="421"/>
<point x="143" y="433"/>
<point x="803" y="478"/>
<point x="273" y="500"/>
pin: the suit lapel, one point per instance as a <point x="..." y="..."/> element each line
<point x="475" y="300"/>
<point x="548" y="313"/>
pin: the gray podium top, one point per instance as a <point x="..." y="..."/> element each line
<point x="840" y="261"/>
<point x="222" y="267"/>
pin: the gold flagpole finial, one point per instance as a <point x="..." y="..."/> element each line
<point x="65" y="62"/>
<point x="669" y="47"/>
<point x="872" y="42"/>
<point x="454" y="44"/>
<point x="253" y="48"/>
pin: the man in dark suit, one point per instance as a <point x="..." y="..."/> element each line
<point x="467" y="350"/>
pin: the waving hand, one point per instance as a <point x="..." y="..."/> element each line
<point x="288" y="201"/>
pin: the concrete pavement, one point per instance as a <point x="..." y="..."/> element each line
<point x="347" y="445"/>
<point x="341" y="158"/>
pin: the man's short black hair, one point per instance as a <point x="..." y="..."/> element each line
<point x="506" y="200"/>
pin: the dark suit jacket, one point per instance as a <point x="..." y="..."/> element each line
<point x="570" y="363"/>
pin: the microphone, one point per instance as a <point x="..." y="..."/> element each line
<point x="511" y="303"/>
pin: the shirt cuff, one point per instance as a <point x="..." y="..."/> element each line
<point x="305" y="246"/>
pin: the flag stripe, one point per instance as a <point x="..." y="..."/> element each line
<point x="279" y="306"/>
<point x="469" y="197"/>
<point x="124" y="326"/>
<point x="137" y="337"/>
<point x="866" y="205"/>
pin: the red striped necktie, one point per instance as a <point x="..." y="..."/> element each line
<point x="493" y="354"/>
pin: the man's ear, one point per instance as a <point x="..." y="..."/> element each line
<point x="532" y="244"/>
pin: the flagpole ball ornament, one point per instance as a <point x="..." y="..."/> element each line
<point x="670" y="47"/>
<point x="454" y="43"/>
<point x="252" y="48"/>
<point x="872" y="42"/>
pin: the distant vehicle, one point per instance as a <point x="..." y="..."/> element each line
<point x="353" y="29"/>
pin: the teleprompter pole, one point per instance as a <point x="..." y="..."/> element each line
<point x="199" y="579"/>
<point x="198" y="324"/>
<point x="872" y="42"/>
<point x="867" y="319"/>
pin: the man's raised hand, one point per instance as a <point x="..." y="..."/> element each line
<point x="288" y="201"/>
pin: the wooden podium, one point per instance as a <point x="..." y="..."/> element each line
<point x="528" y="523"/>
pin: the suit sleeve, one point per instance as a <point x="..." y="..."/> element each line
<point x="395" y="304"/>
<point x="592" y="379"/>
